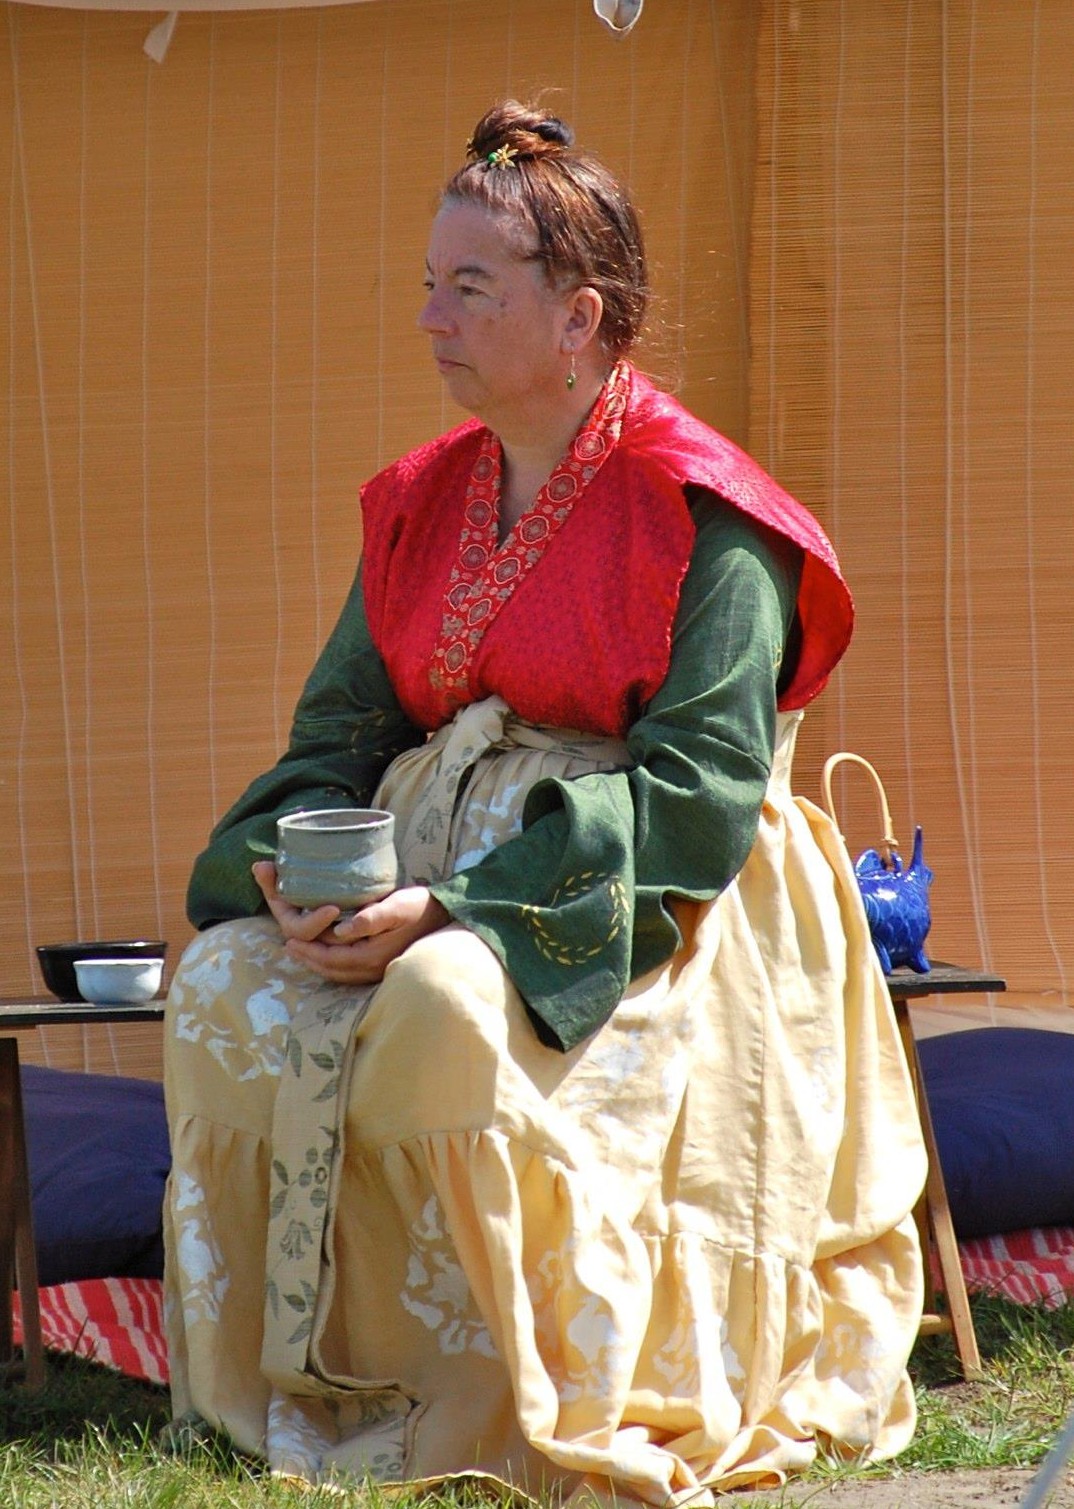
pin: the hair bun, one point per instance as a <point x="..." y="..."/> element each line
<point x="524" y="131"/>
<point x="551" y="128"/>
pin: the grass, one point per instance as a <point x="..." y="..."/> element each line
<point x="86" y="1440"/>
<point x="1014" y="1416"/>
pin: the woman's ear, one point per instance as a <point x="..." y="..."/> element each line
<point x="585" y="310"/>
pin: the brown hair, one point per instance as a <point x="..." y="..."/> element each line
<point x="524" y="166"/>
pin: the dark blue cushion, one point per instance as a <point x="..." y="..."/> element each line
<point x="97" y="1147"/>
<point x="1002" y="1103"/>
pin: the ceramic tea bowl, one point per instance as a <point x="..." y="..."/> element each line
<point x="57" y="960"/>
<point x="342" y="857"/>
<point x="123" y="980"/>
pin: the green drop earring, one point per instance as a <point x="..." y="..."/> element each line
<point x="572" y="375"/>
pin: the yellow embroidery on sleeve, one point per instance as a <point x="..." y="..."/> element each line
<point x="542" y="920"/>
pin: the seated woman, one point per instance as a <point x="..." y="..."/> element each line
<point x="586" y="1158"/>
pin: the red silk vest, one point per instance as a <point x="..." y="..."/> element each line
<point x="584" y="638"/>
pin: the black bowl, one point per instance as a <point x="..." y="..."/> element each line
<point x="57" y="960"/>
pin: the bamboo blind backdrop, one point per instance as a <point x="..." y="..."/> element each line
<point x="913" y="327"/>
<point x="858" y="213"/>
<point x="213" y="268"/>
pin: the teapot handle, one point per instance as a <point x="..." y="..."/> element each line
<point x="889" y="843"/>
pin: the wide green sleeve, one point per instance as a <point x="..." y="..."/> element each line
<point x="348" y="726"/>
<point x="576" y="906"/>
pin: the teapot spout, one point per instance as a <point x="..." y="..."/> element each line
<point x="918" y="868"/>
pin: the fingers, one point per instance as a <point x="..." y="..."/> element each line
<point x="342" y="964"/>
<point x="388" y="928"/>
<point x="367" y="922"/>
<point x="353" y="950"/>
<point x="411" y="909"/>
<point x="294" y="923"/>
<point x="264" y="872"/>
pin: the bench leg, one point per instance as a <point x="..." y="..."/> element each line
<point x="937" y="1229"/>
<point x="18" y="1256"/>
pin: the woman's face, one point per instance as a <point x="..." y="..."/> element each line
<point x="497" y="329"/>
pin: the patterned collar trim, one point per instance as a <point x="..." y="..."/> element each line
<point x="486" y="573"/>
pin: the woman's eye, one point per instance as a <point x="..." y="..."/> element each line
<point x="427" y="284"/>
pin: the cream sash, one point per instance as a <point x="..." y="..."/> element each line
<point x="426" y="783"/>
<point x="429" y="790"/>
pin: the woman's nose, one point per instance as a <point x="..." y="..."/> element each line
<point x="433" y="318"/>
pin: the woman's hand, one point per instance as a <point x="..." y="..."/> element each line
<point x="294" y="924"/>
<point x="358" y="949"/>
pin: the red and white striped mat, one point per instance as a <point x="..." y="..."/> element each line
<point x="1031" y="1267"/>
<point x="119" y="1321"/>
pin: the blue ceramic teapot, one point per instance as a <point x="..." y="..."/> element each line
<point x="896" y="899"/>
<point x="897" y="906"/>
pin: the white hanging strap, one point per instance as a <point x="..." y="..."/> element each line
<point x="618" y="15"/>
<point x="159" y="39"/>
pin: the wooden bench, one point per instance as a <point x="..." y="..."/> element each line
<point x="18" y="1262"/>
<point x="18" y="1259"/>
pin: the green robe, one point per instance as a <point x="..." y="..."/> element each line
<point x="681" y="822"/>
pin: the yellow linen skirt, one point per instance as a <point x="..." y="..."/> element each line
<point x="406" y="1240"/>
